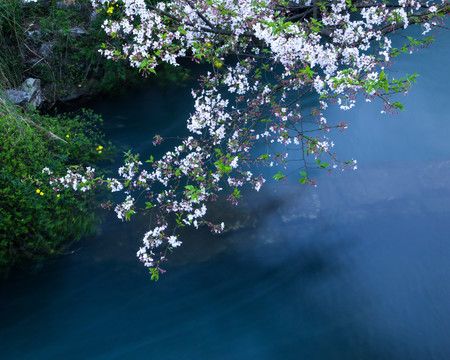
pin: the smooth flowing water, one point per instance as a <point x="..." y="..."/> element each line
<point x="357" y="268"/>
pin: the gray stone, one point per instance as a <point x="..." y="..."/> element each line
<point x="73" y="94"/>
<point x="33" y="88"/>
<point x="29" y="94"/>
<point x="77" y="31"/>
<point x="18" y="97"/>
<point x="46" y="49"/>
<point x="92" y="16"/>
<point x="35" y="35"/>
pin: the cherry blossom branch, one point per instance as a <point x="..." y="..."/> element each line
<point x="265" y="57"/>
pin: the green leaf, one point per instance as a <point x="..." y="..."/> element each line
<point x="148" y="205"/>
<point x="237" y="193"/>
<point x="279" y="176"/>
<point x="398" y="105"/>
<point x="225" y="169"/>
<point x="155" y="274"/>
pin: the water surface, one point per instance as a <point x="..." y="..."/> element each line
<point x="356" y="268"/>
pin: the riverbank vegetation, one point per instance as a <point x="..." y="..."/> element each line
<point x="58" y="43"/>
<point x="52" y="42"/>
<point x="36" y="222"/>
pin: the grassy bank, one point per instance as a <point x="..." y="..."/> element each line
<point x="58" y="44"/>
<point x="36" y="222"/>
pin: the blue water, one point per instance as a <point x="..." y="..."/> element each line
<point x="356" y="268"/>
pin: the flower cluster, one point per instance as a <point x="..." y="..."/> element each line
<point x="265" y="56"/>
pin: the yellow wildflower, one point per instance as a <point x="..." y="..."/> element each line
<point x="57" y="195"/>
<point x="38" y="191"/>
<point x="110" y="10"/>
<point x="67" y="135"/>
<point x="41" y="193"/>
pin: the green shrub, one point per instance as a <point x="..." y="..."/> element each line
<point x="36" y="222"/>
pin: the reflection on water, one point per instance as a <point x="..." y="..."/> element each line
<point x="354" y="269"/>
